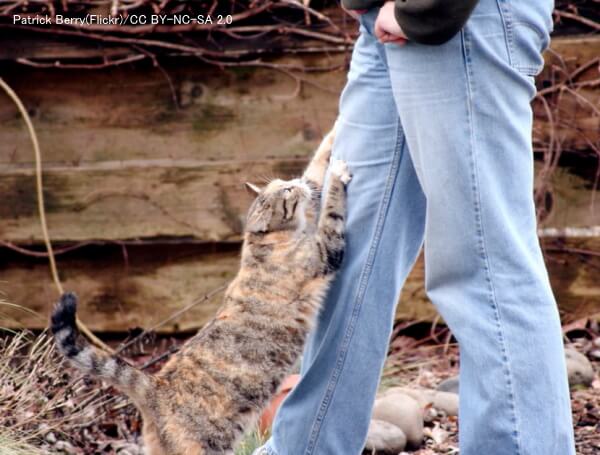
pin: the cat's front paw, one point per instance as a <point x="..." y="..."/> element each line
<point x="323" y="153"/>
<point x="339" y="168"/>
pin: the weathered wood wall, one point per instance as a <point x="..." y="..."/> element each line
<point x="157" y="189"/>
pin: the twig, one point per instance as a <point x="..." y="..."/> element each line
<point x="576" y="17"/>
<point x="81" y="66"/>
<point x="42" y="254"/>
<point x="175" y="315"/>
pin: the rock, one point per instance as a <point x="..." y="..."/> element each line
<point x="447" y="402"/>
<point x="595" y="354"/>
<point x="51" y="437"/>
<point x="579" y="368"/>
<point x="65" y="447"/>
<point x="385" y="437"/>
<point x="449" y="385"/>
<point x="441" y="401"/>
<point x="402" y="411"/>
<point x="431" y="414"/>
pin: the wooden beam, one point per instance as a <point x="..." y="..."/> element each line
<point x="575" y="122"/>
<point x="136" y="286"/>
<point x="135" y="199"/>
<point x="200" y="200"/>
<point x="120" y="287"/>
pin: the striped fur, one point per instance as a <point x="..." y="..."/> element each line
<point x="215" y="387"/>
<point x="85" y="357"/>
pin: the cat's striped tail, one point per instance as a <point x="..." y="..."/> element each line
<point x="131" y="381"/>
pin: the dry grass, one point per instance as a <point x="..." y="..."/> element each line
<point x="40" y="401"/>
<point x="9" y="445"/>
<point x="46" y="408"/>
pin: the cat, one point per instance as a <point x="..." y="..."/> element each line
<point x="206" y="396"/>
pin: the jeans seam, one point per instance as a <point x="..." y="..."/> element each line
<point x="482" y="243"/>
<point x="505" y="16"/>
<point x="358" y="300"/>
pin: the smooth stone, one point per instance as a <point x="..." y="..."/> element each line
<point x="449" y="385"/>
<point x="385" y="437"/>
<point x="579" y="368"/>
<point x="595" y="354"/>
<point x="413" y="393"/>
<point x="447" y="402"/>
<point x="403" y="411"/>
<point x="441" y="401"/>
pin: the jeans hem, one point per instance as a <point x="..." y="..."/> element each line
<point x="269" y="449"/>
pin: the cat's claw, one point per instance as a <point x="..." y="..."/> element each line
<point x="339" y="168"/>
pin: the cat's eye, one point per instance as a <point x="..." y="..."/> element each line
<point x="287" y="190"/>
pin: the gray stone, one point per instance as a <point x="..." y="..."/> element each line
<point x="447" y="402"/>
<point x="579" y="368"/>
<point x="403" y="411"/>
<point x="51" y="437"/>
<point x="385" y="437"/>
<point x="595" y="354"/>
<point x="449" y="385"/>
<point x="441" y="401"/>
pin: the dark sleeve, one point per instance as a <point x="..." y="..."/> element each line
<point x="432" y="21"/>
<point x="361" y="4"/>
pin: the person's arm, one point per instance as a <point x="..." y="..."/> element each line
<point x="422" y="21"/>
<point x="432" y="21"/>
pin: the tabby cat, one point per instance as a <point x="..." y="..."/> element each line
<point x="214" y="388"/>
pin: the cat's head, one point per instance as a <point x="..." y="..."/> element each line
<point x="279" y="206"/>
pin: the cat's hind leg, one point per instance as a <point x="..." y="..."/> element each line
<point x="152" y="444"/>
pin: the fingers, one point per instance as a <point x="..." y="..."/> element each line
<point x="398" y="40"/>
<point x="385" y="37"/>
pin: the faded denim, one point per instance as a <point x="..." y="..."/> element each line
<point x="438" y="139"/>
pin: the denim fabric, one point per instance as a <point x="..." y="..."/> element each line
<point x="438" y="139"/>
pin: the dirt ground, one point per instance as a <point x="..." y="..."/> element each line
<point x="59" y="411"/>
<point x="426" y="362"/>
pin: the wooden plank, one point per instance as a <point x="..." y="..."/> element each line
<point x="118" y="293"/>
<point x="130" y="113"/>
<point x="152" y="282"/>
<point x="575" y="123"/>
<point x="200" y="200"/>
<point x="572" y="200"/>
<point x="35" y="46"/>
<point x="126" y="200"/>
<point x="573" y="265"/>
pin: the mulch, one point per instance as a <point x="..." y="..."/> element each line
<point x="423" y="361"/>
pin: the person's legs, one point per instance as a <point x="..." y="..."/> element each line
<point x="328" y="412"/>
<point x="465" y="110"/>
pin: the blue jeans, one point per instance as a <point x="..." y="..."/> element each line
<point x="438" y="139"/>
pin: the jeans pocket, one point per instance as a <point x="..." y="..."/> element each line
<point x="527" y="36"/>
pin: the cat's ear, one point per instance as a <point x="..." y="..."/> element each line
<point x="252" y="188"/>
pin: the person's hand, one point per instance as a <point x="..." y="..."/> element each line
<point x="387" y="29"/>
